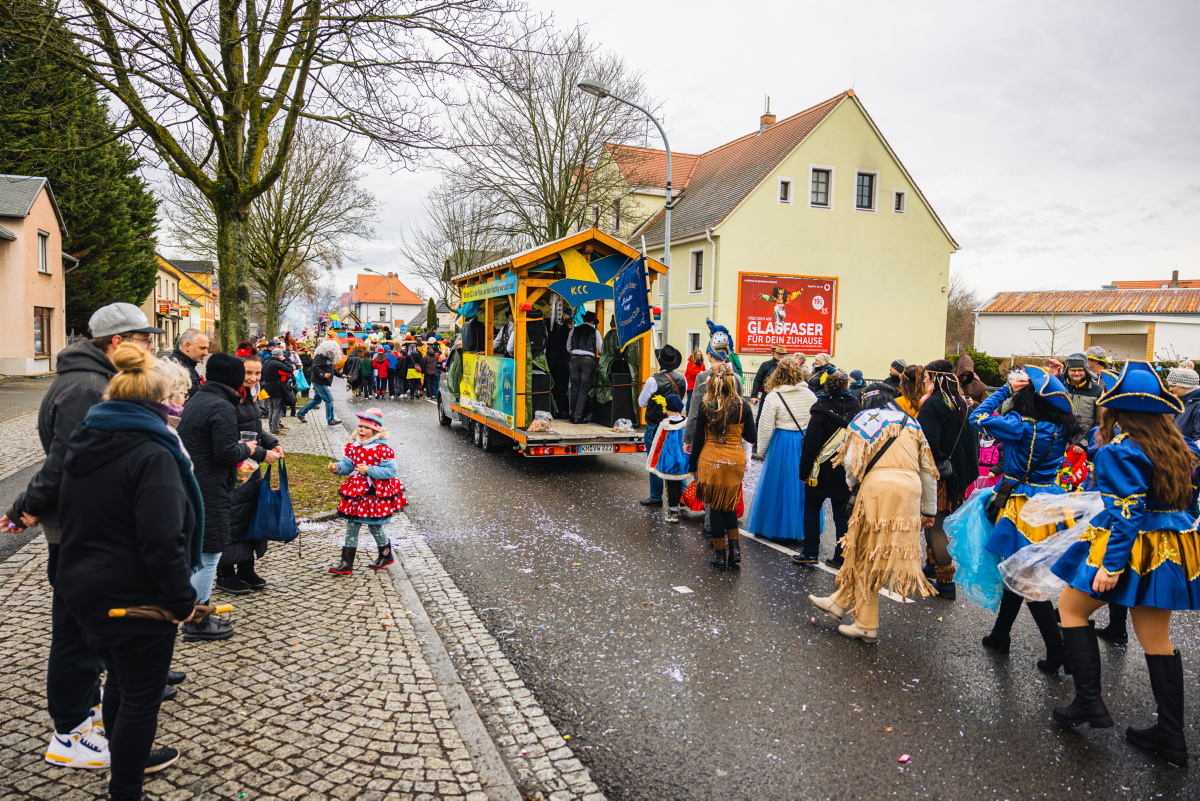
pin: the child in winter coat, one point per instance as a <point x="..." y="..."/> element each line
<point x="667" y="459"/>
<point x="380" y="363"/>
<point x="372" y="494"/>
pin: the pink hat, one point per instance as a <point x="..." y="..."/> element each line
<point x="371" y="418"/>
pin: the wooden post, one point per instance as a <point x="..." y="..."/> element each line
<point x="519" y="383"/>
<point x="488" y="324"/>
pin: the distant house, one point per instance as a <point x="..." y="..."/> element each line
<point x="383" y="300"/>
<point x="201" y="288"/>
<point x="32" y="276"/>
<point x="1154" y="324"/>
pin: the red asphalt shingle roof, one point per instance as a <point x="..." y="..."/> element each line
<point x="374" y="289"/>
<point x="719" y="179"/>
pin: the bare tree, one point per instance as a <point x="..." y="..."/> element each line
<point x="459" y="232"/>
<point x="319" y="296"/>
<point x="203" y="81"/>
<point x="962" y="300"/>
<point x="304" y="221"/>
<point x="532" y="149"/>
<point x="1056" y="328"/>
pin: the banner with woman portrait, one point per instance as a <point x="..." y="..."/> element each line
<point x="798" y="312"/>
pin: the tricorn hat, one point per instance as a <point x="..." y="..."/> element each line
<point x="1049" y="387"/>
<point x="1139" y="389"/>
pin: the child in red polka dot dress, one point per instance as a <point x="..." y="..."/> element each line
<point x="372" y="494"/>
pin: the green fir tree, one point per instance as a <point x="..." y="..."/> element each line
<point x="431" y="323"/>
<point x="54" y="124"/>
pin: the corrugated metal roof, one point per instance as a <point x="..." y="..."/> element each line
<point x="1182" y="283"/>
<point x="1143" y="301"/>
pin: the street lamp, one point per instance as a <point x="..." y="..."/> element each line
<point x="601" y="91"/>
<point x="391" y="314"/>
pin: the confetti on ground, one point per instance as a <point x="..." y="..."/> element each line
<point x="682" y="590"/>
<point x="889" y="728"/>
<point x="904" y="758"/>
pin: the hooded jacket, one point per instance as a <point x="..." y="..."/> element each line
<point x="827" y="415"/>
<point x="244" y="501"/>
<point x="1188" y="421"/>
<point x="83" y="375"/>
<point x="126" y="532"/>
<point x="209" y="430"/>
<point x="972" y="387"/>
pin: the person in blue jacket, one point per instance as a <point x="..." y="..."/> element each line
<point x="1141" y="551"/>
<point x="1035" y="433"/>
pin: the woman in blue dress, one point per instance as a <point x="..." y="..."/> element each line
<point x="1035" y="434"/>
<point x="1142" y="551"/>
<point x="776" y="510"/>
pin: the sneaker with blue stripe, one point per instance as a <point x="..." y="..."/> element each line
<point x="82" y="748"/>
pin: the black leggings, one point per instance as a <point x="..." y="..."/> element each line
<point x="674" y="491"/>
<point x="137" y="674"/>
<point x="726" y="520"/>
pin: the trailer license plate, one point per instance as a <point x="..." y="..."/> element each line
<point x="595" y="448"/>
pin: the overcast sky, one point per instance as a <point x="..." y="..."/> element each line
<point x="1058" y="141"/>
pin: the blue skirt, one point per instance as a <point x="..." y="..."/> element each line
<point x="778" y="507"/>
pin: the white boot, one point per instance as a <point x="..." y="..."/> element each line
<point x="857" y="632"/>
<point x="826" y="605"/>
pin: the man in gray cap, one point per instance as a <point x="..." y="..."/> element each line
<point x="1084" y="389"/>
<point x="1097" y="360"/>
<point x="73" y="671"/>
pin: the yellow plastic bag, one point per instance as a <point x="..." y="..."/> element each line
<point x="262" y="394"/>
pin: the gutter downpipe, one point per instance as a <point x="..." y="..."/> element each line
<point x="712" y="286"/>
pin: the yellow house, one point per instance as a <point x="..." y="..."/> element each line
<point x="808" y="231"/>
<point x="197" y="295"/>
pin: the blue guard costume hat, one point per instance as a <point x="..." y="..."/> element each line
<point x="720" y="346"/>
<point x="1153" y="549"/>
<point x="1050" y="388"/>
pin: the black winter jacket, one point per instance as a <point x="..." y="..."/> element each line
<point x="245" y="496"/>
<point x="209" y="430"/>
<point x="126" y="533"/>
<point x="323" y="371"/>
<point x="83" y="375"/>
<point x="827" y="416"/>
<point x="760" y="378"/>
<point x="943" y="427"/>
<point x="277" y="377"/>
<point x="815" y="383"/>
<point x="190" y="365"/>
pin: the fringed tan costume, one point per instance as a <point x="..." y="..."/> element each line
<point x="882" y="546"/>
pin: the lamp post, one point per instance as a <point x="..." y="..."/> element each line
<point x="391" y="314"/>
<point x="601" y="91"/>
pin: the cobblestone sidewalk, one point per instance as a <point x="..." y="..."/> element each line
<point x="19" y="444"/>
<point x="331" y="688"/>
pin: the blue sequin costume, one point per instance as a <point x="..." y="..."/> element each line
<point x="1027" y="443"/>
<point x="1155" y="550"/>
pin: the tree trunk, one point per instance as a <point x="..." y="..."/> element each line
<point x="233" y="275"/>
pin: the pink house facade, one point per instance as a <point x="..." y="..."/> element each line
<point x="32" y="276"/>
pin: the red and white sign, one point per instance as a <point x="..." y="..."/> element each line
<point x="799" y="312"/>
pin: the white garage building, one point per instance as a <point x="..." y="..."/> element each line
<point x="1155" y="324"/>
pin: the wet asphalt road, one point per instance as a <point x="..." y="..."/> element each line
<point x="732" y="691"/>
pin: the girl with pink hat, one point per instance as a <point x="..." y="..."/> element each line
<point x="372" y="494"/>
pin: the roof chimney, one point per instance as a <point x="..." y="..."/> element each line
<point x="1174" y="279"/>
<point x="767" y="119"/>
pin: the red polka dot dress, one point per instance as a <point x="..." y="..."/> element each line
<point x="367" y="498"/>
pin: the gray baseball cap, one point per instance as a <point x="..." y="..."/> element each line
<point x="120" y="318"/>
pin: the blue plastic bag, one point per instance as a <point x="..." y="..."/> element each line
<point x="274" y="519"/>
<point x="301" y="381"/>
<point x="978" y="570"/>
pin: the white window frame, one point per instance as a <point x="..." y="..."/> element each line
<point x="692" y="289"/>
<point x="382" y="313"/>
<point x="698" y="333"/>
<point x="832" y="182"/>
<point x="43" y="252"/>
<point x="903" y="193"/>
<point x="874" y="190"/>
<point x="791" y="191"/>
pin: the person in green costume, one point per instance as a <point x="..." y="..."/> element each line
<point x="614" y="360"/>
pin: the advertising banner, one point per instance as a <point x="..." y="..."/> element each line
<point x="799" y="312"/>
<point x="505" y="285"/>
<point x="633" y="307"/>
<point x="487" y="386"/>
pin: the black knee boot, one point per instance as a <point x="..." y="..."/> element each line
<point x="1088" y="706"/>
<point x="1047" y="623"/>
<point x="1010" y="605"/>
<point x="1115" y="632"/>
<point x="346" y="566"/>
<point x="1164" y="738"/>
<point x="735" y="547"/>
<point x="721" y="555"/>
<point x="385" y="557"/>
